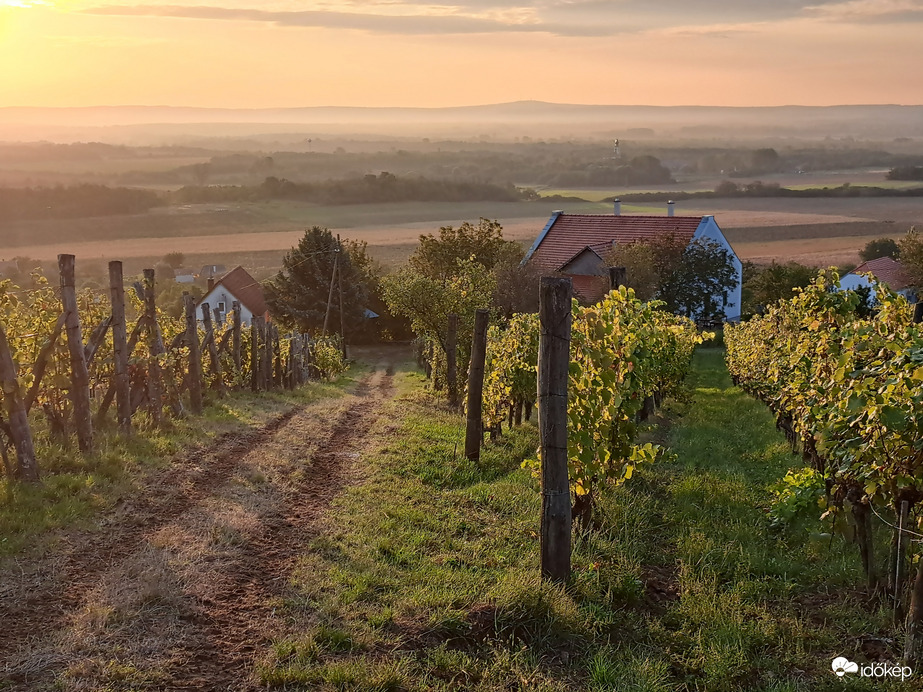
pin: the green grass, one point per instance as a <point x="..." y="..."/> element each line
<point x="426" y="577"/>
<point x="75" y="487"/>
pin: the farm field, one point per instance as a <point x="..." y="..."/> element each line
<point x="348" y="547"/>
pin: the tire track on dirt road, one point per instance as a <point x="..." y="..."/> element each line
<point x="238" y="619"/>
<point x="222" y="616"/>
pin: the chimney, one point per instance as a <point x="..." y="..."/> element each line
<point x="670" y="208"/>
<point x="211" y="279"/>
<point x="617" y="204"/>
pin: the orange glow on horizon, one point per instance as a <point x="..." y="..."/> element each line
<point x="59" y="54"/>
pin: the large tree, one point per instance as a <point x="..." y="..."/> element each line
<point x="648" y="264"/>
<point x="880" y="247"/>
<point x="438" y="255"/>
<point x="764" y="285"/>
<point x="297" y="295"/>
<point x="911" y="246"/>
<point x="700" y="285"/>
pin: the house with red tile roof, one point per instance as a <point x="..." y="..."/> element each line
<point x="886" y="270"/>
<point x="575" y="245"/>
<point x="238" y="285"/>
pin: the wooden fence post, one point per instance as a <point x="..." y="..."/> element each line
<point x="618" y="276"/>
<point x="451" y="359"/>
<point x="155" y="348"/>
<point x="195" y="356"/>
<point x="235" y="337"/>
<point x="120" y="347"/>
<point x="267" y="355"/>
<point x="80" y="376"/>
<point x="212" y="348"/>
<point x="26" y="466"/>
<point x="342" y="317"/>
<point x="255" y="353"/>
<point x="474" y="433"/>
<point x="278" y="369"/>
<point x="553" y="364"/>
<point x="333" y="276"/>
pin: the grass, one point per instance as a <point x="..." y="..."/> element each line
<point x="426" y="576"/>
<point x="76" y="487"/>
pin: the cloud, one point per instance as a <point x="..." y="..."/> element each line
<point x="390" y="23"/>
<point x="864" y="10"/>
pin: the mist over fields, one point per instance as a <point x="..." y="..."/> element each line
<point x="161" y="124"/>
<point x="239" y="185"/>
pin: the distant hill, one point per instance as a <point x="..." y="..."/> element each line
<point x="534" y="118"/>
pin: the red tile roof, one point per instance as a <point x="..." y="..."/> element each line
<point x="568" y="234"/>
<point x="246" y="289"/>
<point x="887" y="270"/>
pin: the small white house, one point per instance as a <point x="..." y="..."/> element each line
<point x="575" y="245"/>
<point x="886" y="270"/>
<point x="183" y="276"/>
<point x="237" y="285"/>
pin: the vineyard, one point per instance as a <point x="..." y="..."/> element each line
<point x="625" y="357"/>
<point x="422" y="574"/>
<point x="845" y="388"/>
<point x="70" y="355"/>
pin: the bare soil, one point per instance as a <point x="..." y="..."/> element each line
<point x="177" y="588"/>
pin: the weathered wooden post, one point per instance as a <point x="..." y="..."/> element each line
<point x="80" y="376"/>
<point x="26" y="466"/>
<point x="213" y="348"/>
<point x="268" y="350"/>
<point x="155" y="348"/>
<point x="451" y="359"/>
<point x="235" y="336"/>
<point x="195" y="356"/>
<point x="278" y="370"/>
<point x="120" y="347"/>
<point x="474" y="433"/>
<point x="255" y="361"/>
<point x="618" y="276"/>
<point x="553" y="364"/>
<point x="342" y="307"/>
<point x="333" y="276"/>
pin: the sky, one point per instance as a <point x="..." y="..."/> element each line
<point x="431" y="53"/>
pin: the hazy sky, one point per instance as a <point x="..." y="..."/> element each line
<point x="255" y="53"/>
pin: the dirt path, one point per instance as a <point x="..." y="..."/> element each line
<point x="178" y="588"/>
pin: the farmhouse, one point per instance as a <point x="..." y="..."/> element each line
<point x="237" y="285"/>
<point x="884" y="270"/>
<point x="575" y="245"/>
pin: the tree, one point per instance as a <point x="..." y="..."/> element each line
<point x="911" y="253"/>
<point x="427" y="302"/>
<point x="705" y="272"/>
<point x="764" y="286"/>
<point x="517" y="284"/>
<point x="437" y="256"/>
<point x="174" y="260"/>
<point x="648" y="264"/>
<point x="880" y="247"/>
<point x="297" y="295"/>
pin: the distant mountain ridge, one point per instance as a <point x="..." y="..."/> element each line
<point x="533" y="110"/>
<point x="517" y="118"/>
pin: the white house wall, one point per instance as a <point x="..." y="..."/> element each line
<point x="219" y="294"/>
<point x="708" y="229"/>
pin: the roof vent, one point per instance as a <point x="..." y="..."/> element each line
<point x="670" y="208"/>
<point x="617" y="206"/>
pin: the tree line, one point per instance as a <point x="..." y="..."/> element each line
<point x="77" y="201"/>
<point x="368" y="189"/>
